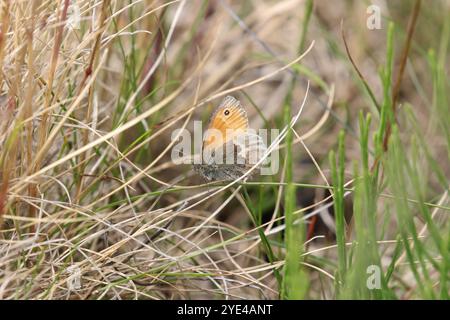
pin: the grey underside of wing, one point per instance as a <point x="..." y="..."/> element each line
<point x="234" y="159"/>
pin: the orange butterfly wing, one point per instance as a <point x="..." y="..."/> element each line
<point x="230" y="119"/>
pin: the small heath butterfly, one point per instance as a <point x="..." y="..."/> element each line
<point x="229" y="147"/>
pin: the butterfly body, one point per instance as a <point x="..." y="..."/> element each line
<point x="229" y="150"/>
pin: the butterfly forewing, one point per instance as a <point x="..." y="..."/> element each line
<point x="229" y="120"/>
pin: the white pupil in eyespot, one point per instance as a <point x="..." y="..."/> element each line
<point x="227" y="112"/>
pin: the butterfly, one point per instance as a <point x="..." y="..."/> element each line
<point x="230" y="148"/>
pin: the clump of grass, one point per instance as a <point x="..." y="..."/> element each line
<point x="396" y="170"/>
